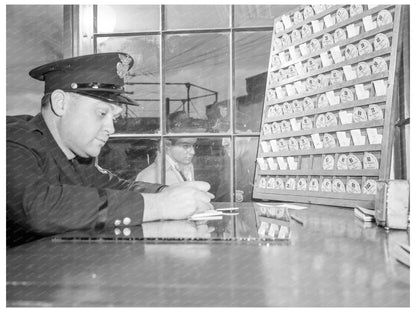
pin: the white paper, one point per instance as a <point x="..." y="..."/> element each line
<point x="317" y="140"/>
<point x="317" y="26"/>
<point x="287" y="21"/>
<point x="357" y="138"/>
<point x="329" y="20"/>
<point x="343" y="139"/>
<point x="293" y="53"/>
<point x="304" y="49"/>
<point x="282" y="56"/>
<point x="293" y="165"/>
<point x="300" y="87"/>
<point x="282" y="163"/>
<point x="295" y="124"/>
<point x="380" y="87"/>
<point x="337" y="55"/>
<point x="368" y="23"/>
<point x="274" y="145"/>
<point x="353" y="30"/>
<point x="350" y="74"/>
<point x="361" y="92"/>
<point x="346" y="118"/>
<point x="265" y="146"/>
<point x="290" y="89"/>
<point x="262" y="163"/>
<point x="373" y="136"/>
<point x="332" y="98"/>
<point x="272" y="164"/>
<point x="326" y="61"/>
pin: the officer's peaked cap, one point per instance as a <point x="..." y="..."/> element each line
<point x="96" y="75"/>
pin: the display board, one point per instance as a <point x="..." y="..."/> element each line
<point x="327" y="122"/>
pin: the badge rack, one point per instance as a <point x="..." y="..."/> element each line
<point x="328" y="119"/>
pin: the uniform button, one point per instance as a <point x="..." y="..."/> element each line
<point x="126" y="221"/>
<point x="117" y="231"/>
<point x="126" y="231"/>
<point x="117" y="222"/>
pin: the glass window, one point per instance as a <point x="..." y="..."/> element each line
<point x="126" y="157"/>
<point x="259" y="15"/>
<point x="245" y="151"/>
<point x="34" y="37"/>
<point x="197" y="78"/>
<point x="143" y="83"/>
<point x="127" y="18"/>
<point x="252" y="52"/>
<point x="197" y="16"/>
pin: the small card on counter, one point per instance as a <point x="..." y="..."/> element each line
<point x="380" y="87"/>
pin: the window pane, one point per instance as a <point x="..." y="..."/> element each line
<point x="245" y="160"/>
<point x="259" y="15"/>
<point x="197" y="78"/>
<point x="34" y="37"/>
<point x="197" y="16"/>
<point x="210" y="162"/>
<point x="252" y="51"/>
<point x="127" y="18"/>
<point x="126" y="157"/>
<point x="143" y="81"/>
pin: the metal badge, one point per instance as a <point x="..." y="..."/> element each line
<point x="359" y="114"/>
<point x="350" y="52"/>
<point x="370" y="161"/>
<point x="293" y="144"/>
<point x="346" y="95"/>
<point x="308" y="104"/>
<point x="308" y="12"/>
<point x="384" y="17"/>
<point x="340" y="35"/>
<point x="314" y="185"/>
<point x="296" y="35"/>
<point x="379" y="65"/>
<point x="353" y="186"/>
<point x="341" y="15"/>
<point x="306" y="123"/>
<point x="323" y="101"/>
<point x="315" y="45"/>
<point x="353" y="162"/>
<point x="329" y="141"/>
<point x="297" y="17"/>
<point x="326" y="185"/>
<point x="375" y="112"/>
<point x="329" y="162"/>
<point x="364" y="47"/>
<point x="338" y="186"/>
<point x="304" y="143"/>
<point x="342" y="162"/>
<point x="327" y="40"/>
<point x="363" y="69"/>
<point x="297" y="106"/>
<point x="306" y="30"/>
<point x="381" y="41"/>
<point x="370" y="187"/>
<point x="302" y="184"/>
<point x="356" y="9"/>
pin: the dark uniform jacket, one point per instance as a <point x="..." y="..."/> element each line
<point x="48" y="194"/>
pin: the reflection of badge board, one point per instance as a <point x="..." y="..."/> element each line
<point x="344" y="73"/>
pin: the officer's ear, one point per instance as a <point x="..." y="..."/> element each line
<point x="59" y="101"/>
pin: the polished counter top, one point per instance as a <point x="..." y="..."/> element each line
<point x="329" y="259"/>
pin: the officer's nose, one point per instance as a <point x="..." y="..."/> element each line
<point x="109" y="125"/>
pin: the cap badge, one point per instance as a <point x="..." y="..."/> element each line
<point x="123" y="66"/>
<point x="74" y="85"/>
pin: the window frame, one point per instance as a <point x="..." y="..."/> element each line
<point x="72" y="20"/>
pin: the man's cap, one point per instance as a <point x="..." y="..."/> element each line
<point x="96" y="75"/>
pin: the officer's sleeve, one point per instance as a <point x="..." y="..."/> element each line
<point x="52" y="208"/>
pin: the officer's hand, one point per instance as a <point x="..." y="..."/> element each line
<point x="178" y="201"/>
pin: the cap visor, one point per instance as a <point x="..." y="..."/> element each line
<point x="109" y="97"/>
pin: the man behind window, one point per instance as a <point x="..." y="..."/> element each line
<point x="179" y="153"/>
<point x="53" y="182"/>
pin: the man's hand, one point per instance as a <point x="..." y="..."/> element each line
<point x="178" y="201"/>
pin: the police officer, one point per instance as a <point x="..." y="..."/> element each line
<point x="53" y="182"/>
